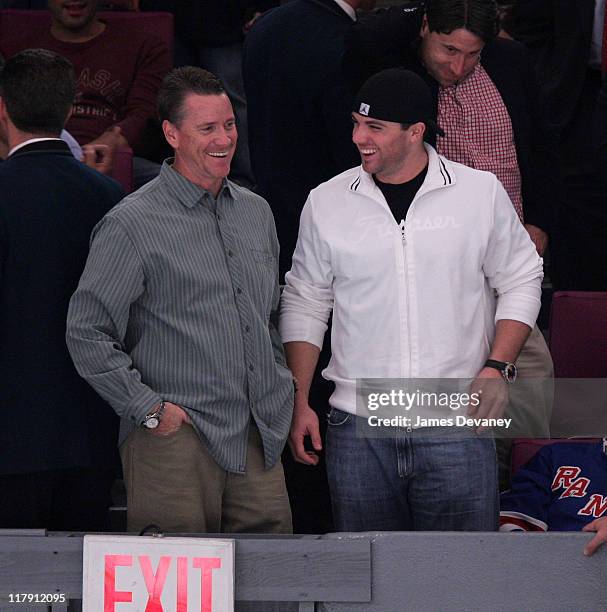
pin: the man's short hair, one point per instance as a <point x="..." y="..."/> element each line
<point x="477" y="16"/>
<point x="180" y="82"/>
<point x="38" y="89"/>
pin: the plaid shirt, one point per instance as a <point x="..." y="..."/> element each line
<point x="478" y="131"/>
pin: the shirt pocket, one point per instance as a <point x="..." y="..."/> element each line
<point x="263" y="257"/>
<point x="263" y="276"/>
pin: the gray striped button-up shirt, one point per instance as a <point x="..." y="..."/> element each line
<point x="174" y="304"/>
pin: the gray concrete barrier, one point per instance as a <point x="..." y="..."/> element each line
<point x="370" y="572"/>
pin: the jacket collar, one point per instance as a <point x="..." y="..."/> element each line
<point x="441" y="174"/>
<point x="47" y="145"/>
<point x="346" y="8"/>
<point x="332" y="7"/>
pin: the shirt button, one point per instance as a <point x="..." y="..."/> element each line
<point x="251" y="367"/>
<point x="247" y="328"/>
<point x="230" y="254"/>
<point x="238" y="290"/>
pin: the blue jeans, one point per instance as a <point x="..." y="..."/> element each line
<point x="411" y="482"/>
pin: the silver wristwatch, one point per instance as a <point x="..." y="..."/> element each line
<point x="152" y="421"/>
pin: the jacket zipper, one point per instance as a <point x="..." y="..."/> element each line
<point x="404" y="243"/>
<point x="403" y="236"/>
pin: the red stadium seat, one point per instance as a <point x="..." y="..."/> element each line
<point x="122" y="170"/>
<point x="578" y="334"/>
<point x="578" y="344"/>
<point x="523" y="449"/>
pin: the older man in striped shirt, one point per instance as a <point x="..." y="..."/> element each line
<point x="171" y="325"/>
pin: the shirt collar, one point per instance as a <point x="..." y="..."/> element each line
<point x="28" y="142"/>
<point x="346" y="8"/>
<point x="440" y="174"/>
<point x="188" y="193"/>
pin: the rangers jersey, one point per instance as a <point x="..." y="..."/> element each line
<point x="562" y="488"/>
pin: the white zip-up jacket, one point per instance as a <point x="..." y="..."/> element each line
<point x="419" y="300"/>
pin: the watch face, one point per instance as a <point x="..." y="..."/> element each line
<point x="152" y="422"/>
<point x="510" y="372"/>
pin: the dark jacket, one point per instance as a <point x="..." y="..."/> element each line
<point x="601" y="130"/>
<point x="390" y="37"/>
<point x="299" y="107"/>
<point x="209" y="22"/>
<point x="558" y="34"/>
<point x="51" y="418"/>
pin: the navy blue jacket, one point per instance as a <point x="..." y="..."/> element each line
<point x="299" y="107"/>
<point x="51" y="418"/>
<point x="558" y="35"/>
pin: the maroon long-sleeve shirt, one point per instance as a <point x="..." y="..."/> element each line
<point x="118" y="74"/>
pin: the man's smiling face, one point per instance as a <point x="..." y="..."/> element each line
<point x="204" y="139"/>
<point x="384" y="146"/>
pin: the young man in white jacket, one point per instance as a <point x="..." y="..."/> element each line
<point x="429" y="274"/>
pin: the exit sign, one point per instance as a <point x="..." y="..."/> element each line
<point x="149" y="574"/>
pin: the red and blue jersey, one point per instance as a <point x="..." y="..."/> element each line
<point x="562" y="488"/>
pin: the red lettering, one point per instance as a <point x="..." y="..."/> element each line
<point x="182" y="584"/>
<point x="154" y="583"/>
<point x="597" y="506"/>
<point x="206" y="565"/>
<point x="576" y="489"/>
<point x="564" y="476"/>
<point x="110" y="595"/>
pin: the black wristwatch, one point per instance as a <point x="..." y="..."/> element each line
<point x="151" y="421"/>
<point x="507" y="368"/>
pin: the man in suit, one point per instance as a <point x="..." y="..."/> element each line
<point x="566" y="41"/>
<point x="58" y="438"/>
<point x="300" y="136"/>
<point x="298" y="105"/>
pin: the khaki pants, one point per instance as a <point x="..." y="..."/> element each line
<point x="531" y="399"/>
<point x="174" y="483"/>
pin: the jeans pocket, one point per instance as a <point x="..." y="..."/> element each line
<point x="337" y="417"/>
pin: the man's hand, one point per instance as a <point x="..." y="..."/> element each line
<point x="112" y="137"/>
<point x="493" y="392"/>
<point x="305" y="423"/>
<point x="539" y="238"/>
<point x="172" y="419"/>
<point x="100" y="157"/>
<point x="600" y="526"/>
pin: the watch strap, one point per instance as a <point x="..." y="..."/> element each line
<point x="507" y="369"/>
